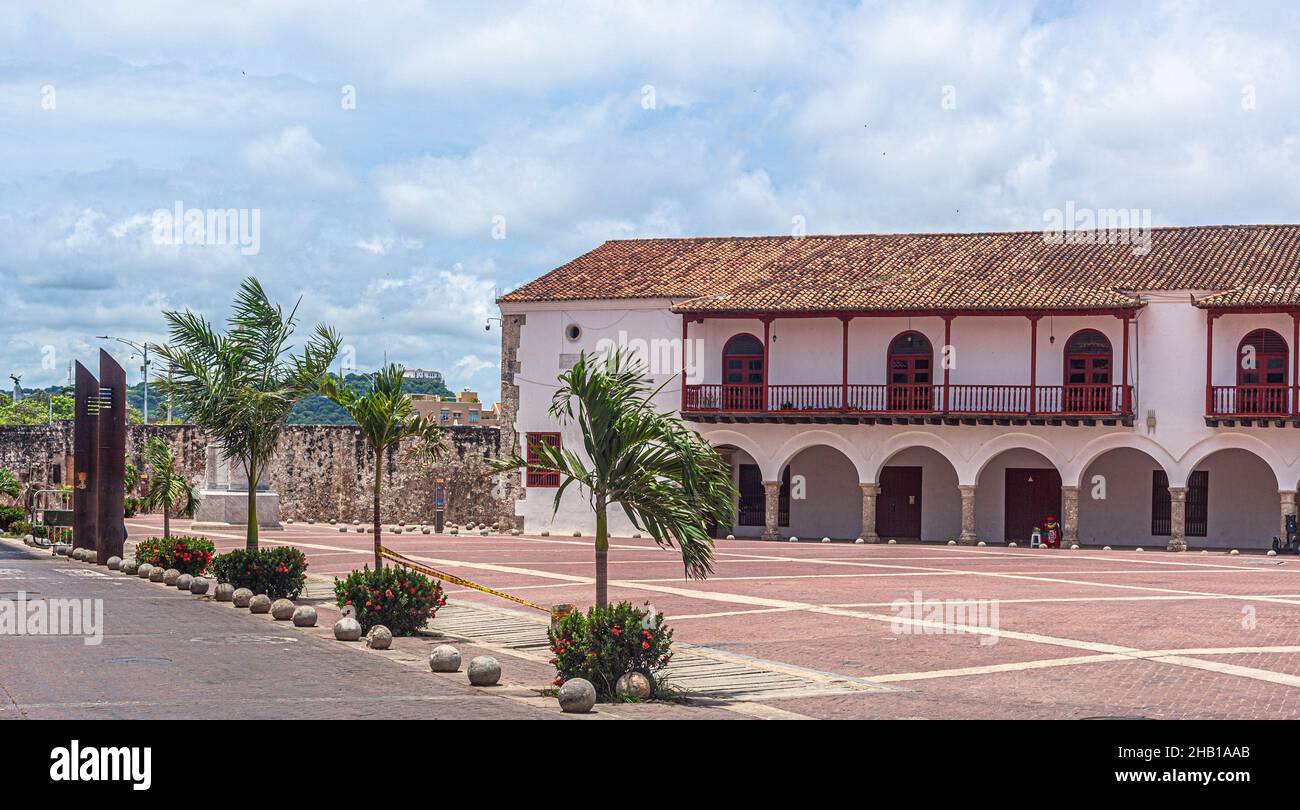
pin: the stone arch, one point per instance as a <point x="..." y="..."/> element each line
<point x="1073" y="470"/>
<point x="825" y="497"/>
<point x="1202" y="450"/>
<point x="906" y="441"/>
<point x="810" y="438"/>
<point x="1237" y="504"/>
<point x="969" y="472"/>
<point x="1115" y="501"/>
<point x="743" y="442"/>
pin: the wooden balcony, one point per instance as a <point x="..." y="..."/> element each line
<point x="1248" y="405"/>
<point x="911" y="404"/>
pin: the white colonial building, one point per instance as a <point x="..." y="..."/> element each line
<point x="948" y="386"/>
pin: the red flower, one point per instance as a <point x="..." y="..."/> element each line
<point x="645" y="645"/>
<point x="558" y="682"/>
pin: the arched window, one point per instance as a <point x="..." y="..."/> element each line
<point x="743" y="373"/>
<point x="1261" y="373"/>
<point x="1088" y="373"/>
<point x="911" y="373"/>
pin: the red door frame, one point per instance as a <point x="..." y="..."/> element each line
<point x="1087" y="398"/>
<point x="753" y="399"/>
<point x="910" y="397"/>
<point x="1254" y="400"/>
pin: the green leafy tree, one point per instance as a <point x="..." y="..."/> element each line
<point x="35" y="410"/>
<point x="168" y="489"/>
<point x="668" y="480"/>
<point x="240" y="386"/>
<point x="10" y="486"/>
<point x="385" y="416"/>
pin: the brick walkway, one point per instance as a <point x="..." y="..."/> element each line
<point x="170" y="655"/>
<point x="1080" y="633"/>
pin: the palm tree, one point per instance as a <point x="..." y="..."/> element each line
<point x="386" y="417"/>
<point x="668" y="480"/>
<point x="167" y="488"/>
<point x="240" y="386"/>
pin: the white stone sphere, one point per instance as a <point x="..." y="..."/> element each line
<point x="379" y="637"/>
<point x="444" y="658"/>
<point x="577" y="696"/>
<point x="347" y="629"/>
<point x="484" y="670"/>
<point x="304" y="616"/>
<point x="634" y="685"/>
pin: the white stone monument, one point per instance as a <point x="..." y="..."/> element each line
<point x="223" y="500"/>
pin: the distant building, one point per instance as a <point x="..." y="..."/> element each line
<point x="463" y="409"/>
<point x="423" y="374"/>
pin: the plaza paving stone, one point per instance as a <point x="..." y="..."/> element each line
<point x="1079" y="630"/>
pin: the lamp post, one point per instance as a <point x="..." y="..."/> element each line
<point x="143" y="348"/>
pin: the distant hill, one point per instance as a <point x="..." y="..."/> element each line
<point x="314" y="410"/>
<point x="318" y="410"/>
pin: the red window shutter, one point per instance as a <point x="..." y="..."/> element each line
<point x="541" y="478"/>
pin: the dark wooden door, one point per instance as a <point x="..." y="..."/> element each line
<point x="1032" y="496"/>
<point x="898" y="506"/>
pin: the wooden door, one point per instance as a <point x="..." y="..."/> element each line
<point x="1032" y="496"/>
<point x="898" y="506"/>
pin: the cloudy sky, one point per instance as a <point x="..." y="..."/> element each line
<point x="410" y="161"/>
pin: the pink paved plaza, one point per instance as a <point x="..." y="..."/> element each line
<point x="1084" y="633"/>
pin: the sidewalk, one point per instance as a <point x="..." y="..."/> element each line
<point x="170" y="655"/>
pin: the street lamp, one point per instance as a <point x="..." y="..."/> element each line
<point x="143" y="348"/>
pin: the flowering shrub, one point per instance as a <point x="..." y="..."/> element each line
<point x="609" y="642"/>
<point x="279" y="572"/>
<point x="9" y="515"/>
<point x="399" y="599"/>
<point x="189" y="555"/>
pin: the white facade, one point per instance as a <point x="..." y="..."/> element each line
<point x="1112" y="465"/>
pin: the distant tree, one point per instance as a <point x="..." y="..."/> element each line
<point x="668" y="480"/>
<point x="9" y="484"/>
<point x="385" y="416"/>
<point x="168" y="489"/>
<point x="240" y="386"/>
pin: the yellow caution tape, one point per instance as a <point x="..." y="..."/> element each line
<point x="464" y="583"/>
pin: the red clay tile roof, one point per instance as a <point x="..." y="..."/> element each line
<point x="1242" y="265"/>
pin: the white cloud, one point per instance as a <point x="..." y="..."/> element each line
<point x="294" y="155"/>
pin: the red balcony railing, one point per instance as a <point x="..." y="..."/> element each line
<point x="982" y="400"/>
<point x="1251" y="400"/>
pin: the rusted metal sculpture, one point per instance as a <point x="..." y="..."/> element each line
<point x="85" y="455"/>
<point x="111" y="464"/>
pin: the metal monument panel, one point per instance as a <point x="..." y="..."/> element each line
<point x="85" y="457"/>
<point x="112" y="457"/>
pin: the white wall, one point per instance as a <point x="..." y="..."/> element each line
<point x="1167" y="364"/>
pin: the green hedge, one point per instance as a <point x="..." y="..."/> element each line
<point x="9" y="515"/>
<point x="189" y="555"/>
<point x="279" y="572"/>
<point x="609" y="642"/>
<point x="401" y="600"/>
